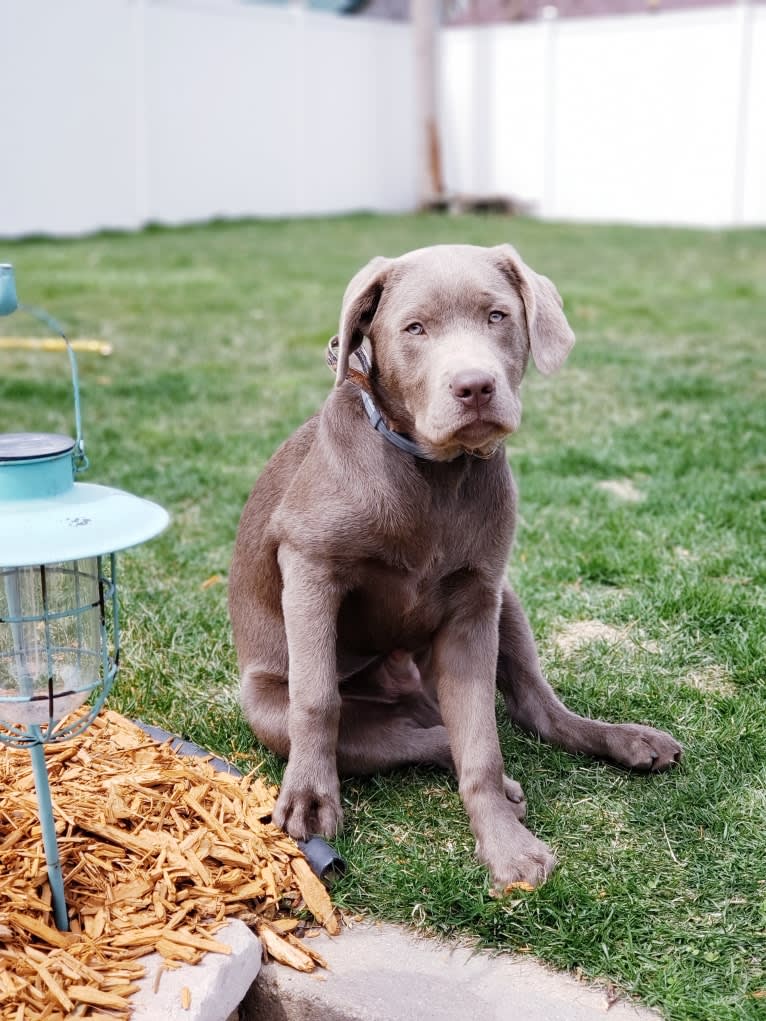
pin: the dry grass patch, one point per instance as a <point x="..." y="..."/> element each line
<point x="622" y="489"/>
<point x="577" y="634"/>
<point x="711" y="678"/>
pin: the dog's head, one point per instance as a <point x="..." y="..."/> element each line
<point x="451" y="329"/>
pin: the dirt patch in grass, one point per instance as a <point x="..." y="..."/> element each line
<point x="622" y="489"/>
<point x="576" y="635"/>
<point x="582" y="632"/>
<point x="579" y="633"/>
<point x="711" y="678"/>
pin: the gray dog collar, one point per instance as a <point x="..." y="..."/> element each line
<point x="378" y="423"/>
<point x="398" y="439"/>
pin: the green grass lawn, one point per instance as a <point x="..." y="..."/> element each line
<point x="219" y="336"/>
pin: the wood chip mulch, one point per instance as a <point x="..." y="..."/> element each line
<point x="158" y="850"/>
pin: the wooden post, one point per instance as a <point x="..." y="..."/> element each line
<point x="425" y="24"/>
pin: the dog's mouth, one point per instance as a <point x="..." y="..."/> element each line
<point x="446" y="430"/>
<point x="480" y="438"/>
<point x="478" y="432"/>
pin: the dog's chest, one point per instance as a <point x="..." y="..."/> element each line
<point x="404" y="594"/>
<point x="395" y="607"/>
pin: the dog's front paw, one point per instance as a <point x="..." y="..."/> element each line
<point x="639" y="747"/>
<point x="513" y="855"/>
<point x="306" y="807"/>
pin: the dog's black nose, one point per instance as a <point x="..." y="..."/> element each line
<point x="473" y="388"/>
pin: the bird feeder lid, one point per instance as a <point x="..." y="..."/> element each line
<point x="32" y="446"/>
<point x="86" y="521"/>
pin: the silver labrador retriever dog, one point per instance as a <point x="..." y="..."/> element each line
<point x="368" y="593"/>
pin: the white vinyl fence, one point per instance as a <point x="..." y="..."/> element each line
<point x="121" y="112"/>
<point x="642" y="118"/>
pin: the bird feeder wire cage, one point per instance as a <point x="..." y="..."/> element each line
<point x="60" y="647"/>
<point x="59" y="619"/>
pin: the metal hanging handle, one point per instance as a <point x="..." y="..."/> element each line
<point x="9" y="303"/>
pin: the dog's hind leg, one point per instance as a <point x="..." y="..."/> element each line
<point x="386" y="719"/>
<point x="389" y="718"/>
<point x="375" y="739"/>
<point x="376" y="733"/>
<point x="264" y="700"/>
<point x="534" y="706"/>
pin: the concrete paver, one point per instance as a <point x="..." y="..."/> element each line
<point x="217" y="985"/>
<point x="385" y="973"/>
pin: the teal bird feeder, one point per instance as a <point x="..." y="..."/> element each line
<point x="59" y="623"/>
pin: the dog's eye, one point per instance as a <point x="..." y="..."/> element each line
<point x="496" y="317"/>
<point x="415" y="329"/>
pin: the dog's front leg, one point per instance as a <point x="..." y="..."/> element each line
<point x="465" y="657"/>
<point x="309" y="800"/>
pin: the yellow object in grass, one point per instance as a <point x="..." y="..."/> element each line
<point x="100" y="347"/>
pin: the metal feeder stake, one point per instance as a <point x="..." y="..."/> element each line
<point x="59" y="622"/>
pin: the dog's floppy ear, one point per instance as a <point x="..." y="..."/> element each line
<point x="359" y="305"/>
<point x="550" y="335"/>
